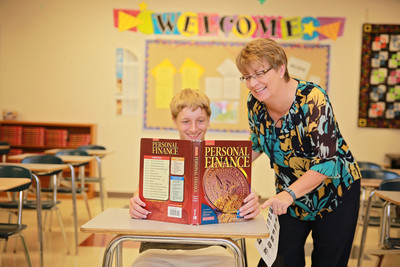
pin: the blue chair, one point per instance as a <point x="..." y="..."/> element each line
<point x="99" y="179"/>
<point x="80" y="177"/>
<point x="388" y="245"/>
<point x="48" y="205"/>
<point x="379" y="174"/>
<point x="12" y="229"/>
<point x="4" y="151"/>
<point x="366" y="165"/>
<point x="377" y="203"/>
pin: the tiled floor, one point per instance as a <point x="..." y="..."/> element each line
<point x="92" y="247"/>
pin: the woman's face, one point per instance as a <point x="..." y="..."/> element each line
<point x="192" y="125"/>
<point x="262" y="81"/>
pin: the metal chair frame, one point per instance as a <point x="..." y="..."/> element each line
<point x="12" y="229"/>
<point x="49" y="205"/>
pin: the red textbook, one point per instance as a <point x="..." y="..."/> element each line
<point x="194" y="182"/>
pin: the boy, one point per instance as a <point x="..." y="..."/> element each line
<point x="190" y="110"/>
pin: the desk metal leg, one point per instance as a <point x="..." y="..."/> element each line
<point x="83" y="189"/>
<point x="117" y="241"/>
<point x="75" y="214"/>
<point x="101" y="193"/>
<point x="39" y="217"/>
<point x="365" y="227"/>
<point x="118" y="255"/>
<point x="385" y="225"/>
<point x="243" y="246"/>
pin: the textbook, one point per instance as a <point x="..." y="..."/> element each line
<point x="194" y="182"/>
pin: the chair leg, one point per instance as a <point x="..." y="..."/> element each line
<point x="379" y="261"/>
<point x="60" y="221"/>
<point x="87" y="204"/>
<point x="44" y="222"/>
<point x="28" y="259"/>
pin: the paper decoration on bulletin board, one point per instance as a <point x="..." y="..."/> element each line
<point x="379" y="104"/>
<point x="127" y="78"/>
<point x="210" y="66"/>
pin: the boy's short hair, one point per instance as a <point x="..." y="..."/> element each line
<point x="190" y="98"/>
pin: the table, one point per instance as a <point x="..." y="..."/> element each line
<point x="118" y="222"/>
<point x="9" y="183"/>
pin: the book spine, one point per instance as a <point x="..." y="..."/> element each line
<point x="196" y="208"/>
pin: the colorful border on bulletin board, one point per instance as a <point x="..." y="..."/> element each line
<point x="172" y="65"/>
<point x="379" y="102"/>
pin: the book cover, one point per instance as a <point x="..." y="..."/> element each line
<point x="194" y="182"/>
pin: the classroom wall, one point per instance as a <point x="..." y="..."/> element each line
<point x="57" y="64"/>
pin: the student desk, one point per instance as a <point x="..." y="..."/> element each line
<point x="119" y="222"/>
<point x="390" y="197"/>
<point x="93" y="152"/>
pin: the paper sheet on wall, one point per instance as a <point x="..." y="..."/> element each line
<point x="268" y="247"/>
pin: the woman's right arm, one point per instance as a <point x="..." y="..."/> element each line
<point x="136" y="207"/>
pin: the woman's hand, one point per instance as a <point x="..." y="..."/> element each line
<point x="279" y="203"/>
<point x="251" y="208"/>
<point x="136" y="208"/>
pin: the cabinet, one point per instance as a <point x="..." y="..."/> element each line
<point x="36" y="137"/>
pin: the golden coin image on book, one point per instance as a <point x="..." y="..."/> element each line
<point x="225" y="188"/>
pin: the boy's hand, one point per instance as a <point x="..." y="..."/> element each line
<point x="136" y="208"/>
<point x="251" y="208"/>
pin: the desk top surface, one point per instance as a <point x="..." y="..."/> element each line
<point x="391" y="196"/>
<point x="9" y="183"/>
<point x="371" y="182"/>
<point x="39" y="167"/>
<point x="118" y="221"/>
<point x="92" y="152"/>
<point x="65" y="158"/>
<point x="21" y="156"/>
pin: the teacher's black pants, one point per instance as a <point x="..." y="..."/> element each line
<point x="332" y="236"/>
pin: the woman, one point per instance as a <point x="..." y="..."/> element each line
<point x="316" y="177"/>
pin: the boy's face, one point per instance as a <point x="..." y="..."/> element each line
<point x="192" y="125"/>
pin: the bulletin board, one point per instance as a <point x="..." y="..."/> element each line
<point x="172" y="65"/>
<point x="379" y="104"/>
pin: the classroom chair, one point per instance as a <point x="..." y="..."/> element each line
<point x="13" y="229"/>
<point x="376" y="203"/>
<point x="389" y="245"/>
<point x="80" y="177"/>
<point x="99" y="179"/>
<point x="4" y="151"/>
<point x="366" y="165"/>
<point x="50" y="204"/>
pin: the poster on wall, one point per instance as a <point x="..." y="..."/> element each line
<point x="379" y="104"/>
<point x="172" y="65"/>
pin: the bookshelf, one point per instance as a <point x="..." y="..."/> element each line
<point x="36" y="137"/>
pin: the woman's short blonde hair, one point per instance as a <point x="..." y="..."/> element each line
<point x="190" y="98"/>
<point x="259" y="51"/>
